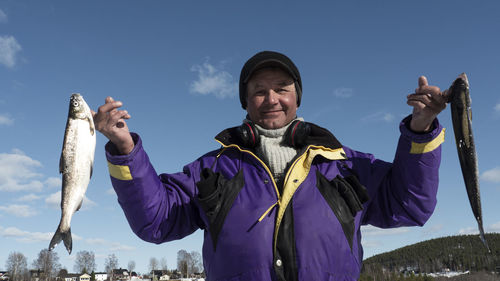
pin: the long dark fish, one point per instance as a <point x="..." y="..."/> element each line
<point x="461" y="116"/>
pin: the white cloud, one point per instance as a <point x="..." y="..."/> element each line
<point x="3" y="16"/>
<point x="6" y="120"/>
<point x="213" y="81"/>
<point x="492" y="175"/>
<point x="370" y="230"/>
<point x="378" y="117"/>
<point x="25" y="236"/>
<point x="53" y="182"/>
<point x="371" y="244"/>
<point x="19" y="210"/>
<point x="96" y="241"/>
<point x="29" y="197"/>
<point x="17" y="172"/>
<point x="343" y="92"/>
<point x="120" y="247"/>
<point x="8" y="50"/>
<point x="497" y="107"/>
<point x="54" y="201"/>
<point x="468" y="231"/>
<point x="432" y="230"/>
<point x="111" y="191"/>
<point x="113" y="246"/>
<point x="494" y="227"/>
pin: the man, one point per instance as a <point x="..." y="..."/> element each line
<point x="282" y="199"/>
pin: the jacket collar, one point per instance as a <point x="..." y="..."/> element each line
<point x="318" y="137"/>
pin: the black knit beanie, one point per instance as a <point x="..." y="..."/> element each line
<point x="268" y="59"/>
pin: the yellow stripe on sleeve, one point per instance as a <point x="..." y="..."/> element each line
<point x="120" y="172"/>
<point x="420" y="148"/>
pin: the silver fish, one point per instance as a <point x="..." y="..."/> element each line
<point x="75" y="165"/>
<point x="461" y="116"/>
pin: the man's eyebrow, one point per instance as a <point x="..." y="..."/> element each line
<point x="285" y="82"/>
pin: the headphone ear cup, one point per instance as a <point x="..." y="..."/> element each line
<point x="297" y="133"/>
<point x="249" y="136"/>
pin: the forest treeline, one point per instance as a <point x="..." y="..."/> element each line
<point x="454" y="253"/>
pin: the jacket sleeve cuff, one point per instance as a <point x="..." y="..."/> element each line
<point x="119" y="165"/>
<point x="422" y="142"/>
<point x="115" y="157"/>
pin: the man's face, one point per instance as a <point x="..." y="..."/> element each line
<point x="271" y="98"/>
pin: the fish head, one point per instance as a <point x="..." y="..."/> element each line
<point x="77" y="106"/>
<point x="456" y="90"/>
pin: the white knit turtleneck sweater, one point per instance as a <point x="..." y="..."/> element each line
<point x="274" y="151"/>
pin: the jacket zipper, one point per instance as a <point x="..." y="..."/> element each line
<point x="263" y="165"/>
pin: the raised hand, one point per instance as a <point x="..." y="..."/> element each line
<point x="111" y="123"/>
<point x="427" y="101"/>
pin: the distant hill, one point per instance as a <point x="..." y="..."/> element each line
<point x="456" y="253"/>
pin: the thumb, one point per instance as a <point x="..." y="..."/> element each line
<point x="422" y="81"/>
<point x="93" y="113"/>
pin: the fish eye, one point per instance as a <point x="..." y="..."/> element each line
<point x="75" y="103"/>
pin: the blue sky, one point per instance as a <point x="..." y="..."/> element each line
<point x="175" y="65"/>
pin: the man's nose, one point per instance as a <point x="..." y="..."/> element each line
<point x="271" y="96"/>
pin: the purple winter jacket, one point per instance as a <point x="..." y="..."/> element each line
<point x="309" y="231"/>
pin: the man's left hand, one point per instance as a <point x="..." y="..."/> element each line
<point x="427" y="101"/>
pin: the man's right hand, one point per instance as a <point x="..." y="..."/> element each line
<point x="111" y="123"/>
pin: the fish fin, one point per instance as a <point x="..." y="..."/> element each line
<point x="65" y="237"/>
<point x="79" y="206"/>
<point x="91" y="125"/>
<point x="91" y="170"/>
<point x="481" y="234"/>
<point x="61" y="164"/>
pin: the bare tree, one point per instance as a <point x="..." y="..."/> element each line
<point x="196" y="264"/>
<point x="131" y="266"/>
<point x="48" y="262"/>
<point x="111" y="263"/>
<point x="189" y="263"/>
<point x="153" y="264"/>
<point x="17" y="266"/>
<point x="85" y="262"/>
<point x="163" y="264"/>
<point x="183" y="258"/>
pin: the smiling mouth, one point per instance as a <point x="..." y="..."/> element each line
<point x="272" y="112"/>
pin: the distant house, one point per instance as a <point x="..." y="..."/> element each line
<point x="4" y="275"/>
<point x="120" y="274"/>
<point x="37" y="275"/>
<point x="164" y="277"/>
<point x="75" y="277"/>
<point x="101" y="276"/>
<point x="84" y="277"/>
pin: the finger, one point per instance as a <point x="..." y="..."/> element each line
<point x="117" y="117"/>
<point x="421" y="99"/>
<point x="435" y="103"/>
<point x="428" y="90"/>
<point x="109" y="106"/>
<point x="109" y="99"/>
<point x="422" y="81"/>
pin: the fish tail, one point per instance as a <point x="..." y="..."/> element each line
<point x="483" y="238"/>
<point x="65" y="236"/>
